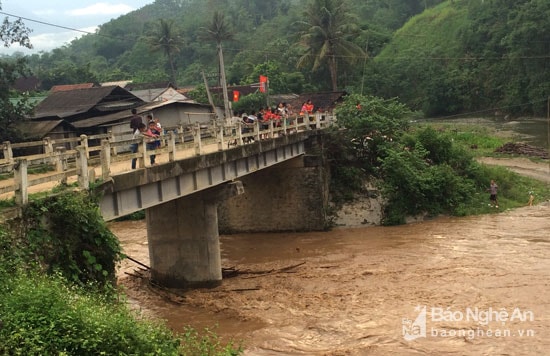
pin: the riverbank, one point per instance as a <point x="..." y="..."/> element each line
<point x="366" y="209"/>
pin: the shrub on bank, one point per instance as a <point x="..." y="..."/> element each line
<point x="420" y="170"/>
<point x="57" y="292"/>
<point x="42" y="315"/>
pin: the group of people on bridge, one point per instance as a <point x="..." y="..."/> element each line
<point x="152" y="130"/>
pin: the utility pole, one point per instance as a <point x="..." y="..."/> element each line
<point x="224" y="84"/>
<point x="210" y="100"/>
<point x="365" y="64"/>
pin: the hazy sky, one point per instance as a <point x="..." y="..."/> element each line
<point x="83" y="15"/>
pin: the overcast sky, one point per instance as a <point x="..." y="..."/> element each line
<point x="83" y="15"/>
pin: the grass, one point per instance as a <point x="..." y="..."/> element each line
<point x="513" y="192"/>
<point x="514" y="189"/>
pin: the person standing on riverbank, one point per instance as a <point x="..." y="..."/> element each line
<point x="493" y="188"/>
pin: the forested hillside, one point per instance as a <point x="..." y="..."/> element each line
<point x="470" y="56"/>
<point x="441" y="57"/>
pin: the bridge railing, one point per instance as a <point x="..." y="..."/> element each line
<point x="78" y="158"/>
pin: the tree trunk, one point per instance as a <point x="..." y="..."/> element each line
<point x="172" y="71"/>
<point x="333" y="68"/>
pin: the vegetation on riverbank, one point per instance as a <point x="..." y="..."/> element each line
<point x="421" y="170"/>
<point x="58" y="294"/>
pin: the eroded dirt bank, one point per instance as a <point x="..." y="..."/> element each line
<point x="351" y="289"/>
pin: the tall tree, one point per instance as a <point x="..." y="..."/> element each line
<point x="165" y="37"/>
<point x="12" y="111"/>
<point x="218" y="31"/>
<point x="327" y="30"/>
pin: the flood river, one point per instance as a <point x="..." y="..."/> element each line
<point x="467" y="286"/>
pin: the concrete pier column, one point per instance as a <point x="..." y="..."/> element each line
<point x="183" y="237"/>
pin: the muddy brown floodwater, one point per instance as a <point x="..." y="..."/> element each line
<point x="483" y="280"/>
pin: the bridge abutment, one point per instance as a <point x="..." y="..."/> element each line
<point x="291" y="196"/>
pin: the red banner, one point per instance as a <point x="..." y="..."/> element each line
<point x="236" y="95"/>
<point x="263" y="83"/>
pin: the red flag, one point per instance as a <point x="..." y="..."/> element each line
<point x="236" y="95"/>
<point x="263" y="83"/>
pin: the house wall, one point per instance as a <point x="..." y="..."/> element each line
<point x="172" y="116"/>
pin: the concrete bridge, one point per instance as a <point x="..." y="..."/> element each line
<point x="279" y="183"/>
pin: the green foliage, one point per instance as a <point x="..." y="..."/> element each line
<point x="12" y="111"/>
<point x="199" y="94"/>
<point x="67" y="234"/>
<point x="420" y="170"/>
<point x="265" y="31"/>
<point x="249" y="103"/>
<point x="371" y="123"/>
<point x="468" y="56"/>
<point x="327" y="31"/>
<point x="138" y="215"/>
<point x="41" y="315"/>
<point x="428" y="175"/>
<point x="206" y="343"/>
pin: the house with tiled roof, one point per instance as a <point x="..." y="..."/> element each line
<point x="69" y="87"/>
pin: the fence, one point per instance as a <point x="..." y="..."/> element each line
<point x="103" y="151"/>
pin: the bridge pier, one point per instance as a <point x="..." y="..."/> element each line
<point x="183" y="238"/>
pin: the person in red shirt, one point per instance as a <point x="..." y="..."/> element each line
<point x="308" y="107"/>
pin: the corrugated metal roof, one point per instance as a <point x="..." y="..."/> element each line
<point x="38" y="129"/>
<point x="148" y="94"/>
<point x="74" y="102"/>
<point x="127" y="114"/>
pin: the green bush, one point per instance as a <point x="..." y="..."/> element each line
<point x="420" y="170"/>
<point x="41" y="315"/>
<point x="67" y="234"/>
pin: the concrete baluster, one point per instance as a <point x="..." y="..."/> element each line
<point x="61" y="162"/>
<point x="197" y="139"/>
<point x="84" y="143"/>
<point x="82" y="168"/>
<point x="8" y="152"/>
<point x="105" y="159"/>
<point x="220" y="140"/>
<point x="171" y="146"/>
<point x="318" y="120"/>
<point x="48" y="146"/>
<point x="257" y="130"/>
<point x="21" y="181"/>
<point x="111" y="138"/>
<point x="143" y="159"/>
<point x="239" y="133"/>
<point x="271" y="126"/>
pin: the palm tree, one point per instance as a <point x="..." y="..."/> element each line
<point x="327" y="27"/>
<point x="218" y="31"/>
<point x="165" y="37"/>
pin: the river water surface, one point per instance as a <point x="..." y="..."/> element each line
<point x="483" y="280"/>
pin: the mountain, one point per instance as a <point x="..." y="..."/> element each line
<point x="441" y="57"/>
<point x="470" y="56"/>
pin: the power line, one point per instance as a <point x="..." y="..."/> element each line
<point x="60" y="26"/>
<point x="492" y="109"/>
<point x="237" y="50"/>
